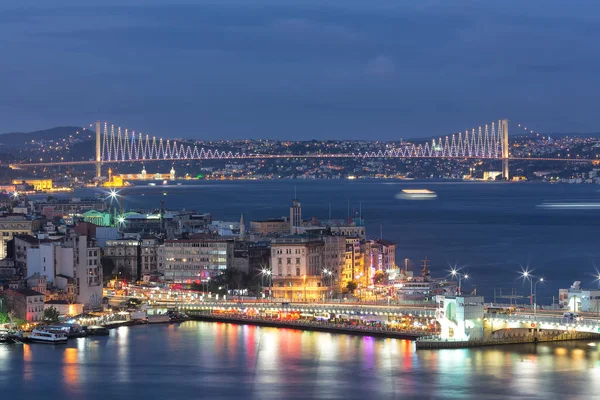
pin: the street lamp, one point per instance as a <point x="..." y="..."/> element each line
<point x="527" y="275"/>
<point x="328" y="272"/>
<point x="535" y="295"/>
<point x="304" y="288"/>
<point x="264" y="272"/>
<point x="460" y="277"/>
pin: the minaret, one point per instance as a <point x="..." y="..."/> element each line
<point x="143" y="172"/>
<point x="172" y="173"/>
<point x="242" y="226"/>
<point x="295" y="216"/>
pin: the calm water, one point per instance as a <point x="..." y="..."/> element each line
<point x="215" y="360"/>
<point x="489" y="229"/>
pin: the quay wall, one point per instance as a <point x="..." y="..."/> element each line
<point x="566" y="336"/>
<point x="308" y="326"/>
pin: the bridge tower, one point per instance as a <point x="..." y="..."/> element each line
<point x="98" y="151"/>
<point x="505" y="174"/>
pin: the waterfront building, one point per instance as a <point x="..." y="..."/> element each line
<point x="65" y="207"/>
<point x="271" y="226"/>
<point x="21" y="245"/>
<point x="354" y="261"/>
<point x="38" y="184"/>
<point x="133" y="258"/>
<point x="189" y="260"/>
<point x="86" y="270"/>
<point x="72" y="267"/>
<point x="297" y="265"/>
<point x="15" y="224"/>
<point x="40" y="260"/>
<point x="251" y="257"/>
<point x="577" y="299"/>
<point x="27" y="304"/>
<point x="381" y="255"/>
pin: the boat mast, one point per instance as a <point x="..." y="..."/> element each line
<point x="425" y="272"/>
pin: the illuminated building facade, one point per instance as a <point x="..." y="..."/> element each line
<point x="192" y="260"/>
<point x="297" y="265"/>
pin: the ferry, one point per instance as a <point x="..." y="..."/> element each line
<point x="424" y="287"/>
<point x="44" y="336"/>
<point x="416" y="194"/>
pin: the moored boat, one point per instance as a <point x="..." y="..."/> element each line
<point x="97" y="331"/>
<point x="46" y="336"/>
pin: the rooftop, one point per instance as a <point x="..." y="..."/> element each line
<point x="28" y="292"/>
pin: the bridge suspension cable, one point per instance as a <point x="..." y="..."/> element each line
<point x="124" y="145"/>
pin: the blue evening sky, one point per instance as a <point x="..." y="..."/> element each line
<point x="291" y="69"/>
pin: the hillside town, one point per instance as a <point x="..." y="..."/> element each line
<point x="67" y="254"/>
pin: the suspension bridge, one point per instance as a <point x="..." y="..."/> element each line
<point x="116" y="145"/>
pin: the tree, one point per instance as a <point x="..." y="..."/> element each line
<point x="51" y="315"/>
<point x="351" y="286"/>
<point x="380" y="278"/>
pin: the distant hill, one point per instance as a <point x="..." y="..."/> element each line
<point x="59" y="136"/>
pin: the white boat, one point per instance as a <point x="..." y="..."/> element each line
<point x="51" y="337"/>
<point x="152" y="184"/>
<point x="416" y="194"/>
<point x="424" y="287"/>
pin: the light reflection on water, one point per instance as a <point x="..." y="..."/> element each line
<point x="230" y="361"/>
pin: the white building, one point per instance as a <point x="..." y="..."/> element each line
<point x="191" y="260"/>
<point x="460" y="317"/>
<point x="576" y="299"/>
<point x="40" y="260"/>
<point x="86" y="271"/>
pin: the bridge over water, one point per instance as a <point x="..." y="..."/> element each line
<point x="116" y="145"/>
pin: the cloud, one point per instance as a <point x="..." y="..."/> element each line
<point x="380" y="66"/>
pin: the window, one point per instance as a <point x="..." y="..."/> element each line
<point x="297" y="271"/>
<point x="289" y="260"/>
<point x="297" y="260"/>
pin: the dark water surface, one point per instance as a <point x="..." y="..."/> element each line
<point x="489" y="229"/>
<point x="197" y="360"/>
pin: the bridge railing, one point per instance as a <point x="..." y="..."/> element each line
<point x="333" y="308"/>
<point x="561" y="321"/>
